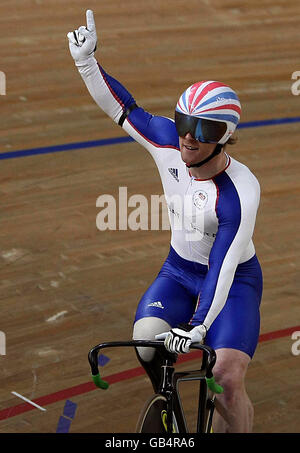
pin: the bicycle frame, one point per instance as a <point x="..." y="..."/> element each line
<point x="170" y="379"/>
<point x="170" y="389"/>
<point x="204" y="403"/>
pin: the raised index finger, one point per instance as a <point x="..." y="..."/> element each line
<point x="90" y="21"/>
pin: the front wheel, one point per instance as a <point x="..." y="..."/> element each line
<point x="153" y="418"/>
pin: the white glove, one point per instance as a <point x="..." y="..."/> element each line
<point x="83" y="42"/>
<point x="179" y="340"/>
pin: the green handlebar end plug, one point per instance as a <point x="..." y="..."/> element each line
<point x="213" y="386"/>
<point x="99" y="382"/>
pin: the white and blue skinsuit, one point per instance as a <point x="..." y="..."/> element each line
<point x="211" y="275"/>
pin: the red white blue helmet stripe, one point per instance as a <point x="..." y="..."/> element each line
<point x="213" y="101"/>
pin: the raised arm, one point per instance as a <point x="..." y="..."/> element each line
<point x="112" y="97"/>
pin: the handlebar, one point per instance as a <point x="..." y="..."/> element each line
<point x="158" y="344"/>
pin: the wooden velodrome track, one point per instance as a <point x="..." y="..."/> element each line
<point x="66" y="286"/>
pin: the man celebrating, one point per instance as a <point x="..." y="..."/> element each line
<point x="210" y="285"/>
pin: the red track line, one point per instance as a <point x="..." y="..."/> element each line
<point x="117" y="377"/>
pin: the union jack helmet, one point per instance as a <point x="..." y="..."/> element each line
<point x="209" y="110"/>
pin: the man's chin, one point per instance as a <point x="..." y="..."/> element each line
<point x="187" y="160"/>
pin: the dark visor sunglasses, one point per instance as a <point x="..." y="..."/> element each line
<point x="205" y="131"/>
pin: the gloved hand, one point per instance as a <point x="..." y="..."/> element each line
<point x="179" y="339"/>
<point x="83" y="42"/>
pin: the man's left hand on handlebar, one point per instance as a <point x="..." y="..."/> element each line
<point x="179" y="339"/>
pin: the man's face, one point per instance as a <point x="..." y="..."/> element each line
<point x="193" y="151"/>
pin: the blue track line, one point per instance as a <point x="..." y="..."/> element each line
<point x="117" y="140"/>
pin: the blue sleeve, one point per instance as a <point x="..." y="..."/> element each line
<point x="156" y="130"/>
<point x="118" y="91"/>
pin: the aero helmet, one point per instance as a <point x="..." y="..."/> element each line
<point x="209" y="110"/>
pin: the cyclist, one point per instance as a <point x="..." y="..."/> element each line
<point x="210" y="285"/>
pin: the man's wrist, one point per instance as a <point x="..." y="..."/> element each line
<point x="202" y="329"/>
<point x="85" y="60"/>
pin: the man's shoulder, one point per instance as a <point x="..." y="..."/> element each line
<point x="242" y="176"/>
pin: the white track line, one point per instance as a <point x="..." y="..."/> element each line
<point x="28" y="401"/>
<point x="58" y="315"/>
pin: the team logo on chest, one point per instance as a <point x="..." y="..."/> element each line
<point x="200" y="199"/>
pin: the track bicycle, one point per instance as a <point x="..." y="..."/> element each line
<point x="163" y="412"/>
